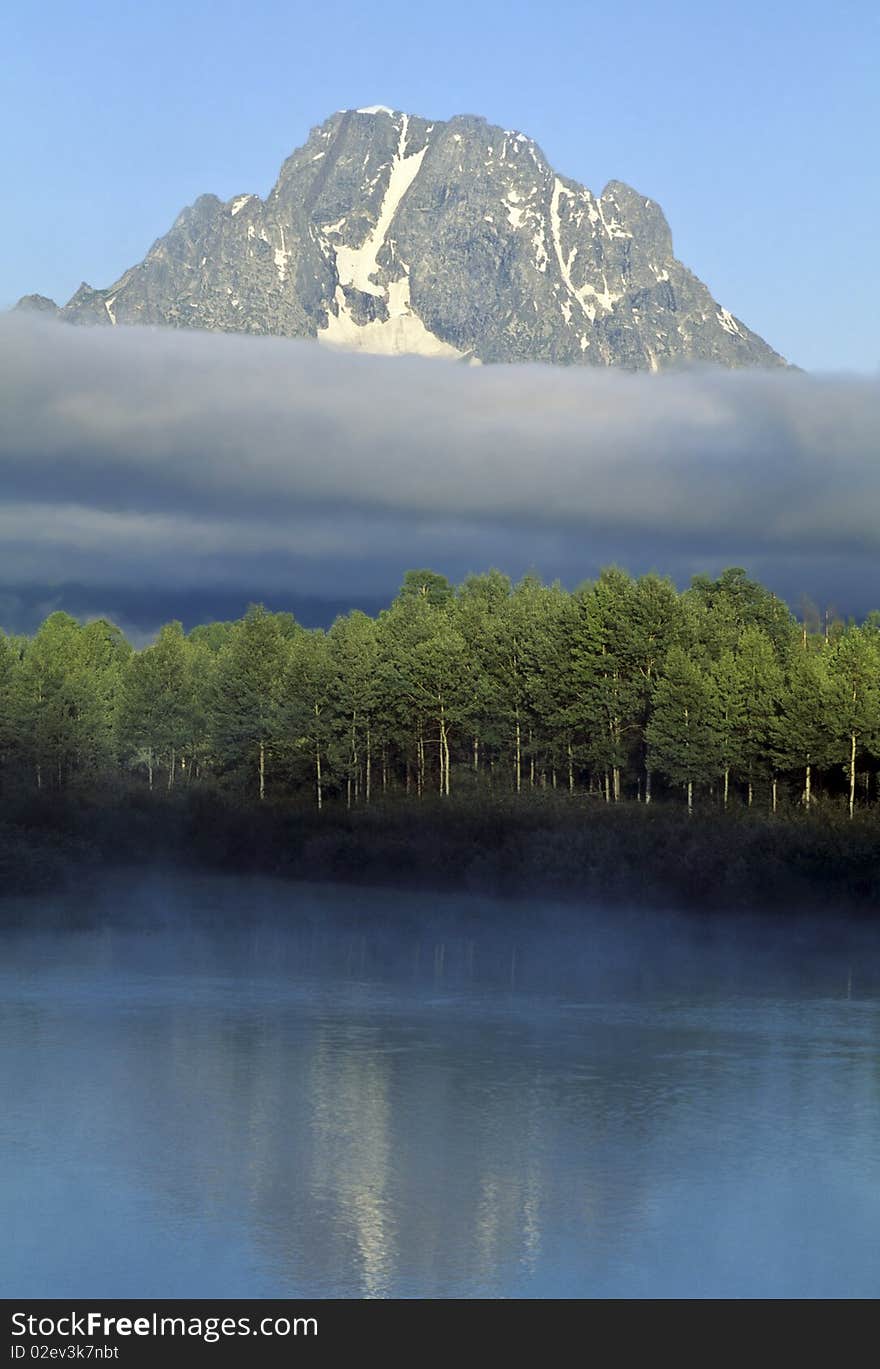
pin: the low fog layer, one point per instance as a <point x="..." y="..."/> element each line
<point x="151" y="468"/>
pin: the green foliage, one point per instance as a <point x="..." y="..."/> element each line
<point x="492" y="688"/>
<point x="157" y="704"/>
<point x="427" y="585"/>
<point x="62" y="700"/>
<point x="685" y="731"/>
<point x="748" y="681"/>
<point x="719" y="610"/>
<point x="247" y="694"/>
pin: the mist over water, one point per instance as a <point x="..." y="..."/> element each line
<point x="238" y="1088"/>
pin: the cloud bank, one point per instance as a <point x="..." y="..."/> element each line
<point x="187" y="462"/>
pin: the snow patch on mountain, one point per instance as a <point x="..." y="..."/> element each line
<point x="357" y="265"/>
<point x="386" y="232"/>
<point x="402" y="331"/>
<point x="728" y="322"/>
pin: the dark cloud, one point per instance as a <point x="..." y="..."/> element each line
<point x="191" y="468"/>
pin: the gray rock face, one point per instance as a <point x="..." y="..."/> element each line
<point x="389" y="233"/>
<point x="37" y="304"/>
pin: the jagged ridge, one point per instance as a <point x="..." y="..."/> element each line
<point x="394" y="234"/>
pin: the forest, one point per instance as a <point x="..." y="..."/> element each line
<point x="624" y="688"/>
<point x="712" y="703"/>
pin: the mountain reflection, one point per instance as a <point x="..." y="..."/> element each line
<point x="328" y="1109"/>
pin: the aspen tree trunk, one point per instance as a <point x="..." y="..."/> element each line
<point x="319" y="788"/>
<point x="420" y="776"/>
<point x="531" y="767"/>
<point x="615" y="776"/>
<point x="368" y="776"/>
<point x="726" y="784"/>
<point x="171" y="769"/>
<point x="808" y="784"/>
<point x="852" y="772"/>
<point x="444" y="744"/>
<point x="352" y="762"/>
<point x="570" y="770"/>
<point x="647" y="784"/>
<point x="518" y="763"/>
<point x="553" y="777"/>
<point x="750" y="793"/>
<point x="690" y="798"/>
<point x="443" y="750"/>
<point x="150" y="766"/>
<point x="476" y="754"/>
<point x="773" y="791"/>
<point x="607" y="787"/>
<point x="262" y="769"/>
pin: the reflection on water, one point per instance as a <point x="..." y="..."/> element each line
<point x="282" y="1092"/>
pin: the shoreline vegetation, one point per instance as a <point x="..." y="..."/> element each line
<point x="563" y="849"/>
<point x="621" y="742"/>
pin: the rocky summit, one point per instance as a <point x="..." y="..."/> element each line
<point x="395" y="234"/>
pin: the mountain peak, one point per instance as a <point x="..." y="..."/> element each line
<point x="36" y="304"/>
<point x="389" y="232"/>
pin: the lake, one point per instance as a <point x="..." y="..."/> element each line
<point x="230" y="1088"/>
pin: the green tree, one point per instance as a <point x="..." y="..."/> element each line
<point x="64" y="701"/>
<point x="748" y="682"/>
<point x="428" y="585"/>
<point x="309" y="681"/>
<point x="854" y="671"/>
<point x="247" y="712"/>
<point x="524" y="642"/>
<point x="402" y="719"/>
<point x="214" y="636"/>
<point x="684" y="732"/>
<point x="352" y="646"/>
<point x="719" y="610"/>
<point x="549" y="669"/>
<point x="481" y="617"/>
<point x="621" y="633"/>
<point x="159" y="702"/>
<point x="10" y="660"/>
<point x="801" y="737"/>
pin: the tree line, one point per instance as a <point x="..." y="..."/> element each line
<point x="624" y="688"/>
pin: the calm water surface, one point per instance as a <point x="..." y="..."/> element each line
<point x="239" y="1089"/>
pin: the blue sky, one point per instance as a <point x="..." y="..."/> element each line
<point x="754" y="125"/>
